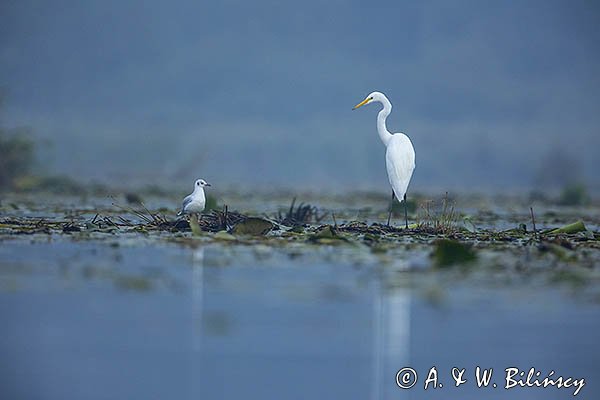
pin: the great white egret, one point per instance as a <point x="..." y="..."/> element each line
<point x="399" y="153"/>
<point x="195" y="202"/>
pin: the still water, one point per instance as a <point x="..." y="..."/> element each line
<point x="141" y="320"/>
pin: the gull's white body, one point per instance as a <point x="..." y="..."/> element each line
<point x="195" y="202"/>
<point x="399" y="153"/>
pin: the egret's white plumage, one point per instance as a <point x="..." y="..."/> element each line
<point x="399" y="154"/>
<point x="195" y="202"/>
<point x="400" y="163"/>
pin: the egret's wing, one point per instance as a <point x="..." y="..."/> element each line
<point x="186" y="201"/>
<point x="400" y="163"/>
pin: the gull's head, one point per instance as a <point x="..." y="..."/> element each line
<point x="200" y="183"/>
<point x="375" y="96"/>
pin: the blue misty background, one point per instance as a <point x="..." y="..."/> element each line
<point x="493" y="94"/>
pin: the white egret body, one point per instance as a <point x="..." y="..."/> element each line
<point x="399" y="154"/>
<point x="195" y="202"/>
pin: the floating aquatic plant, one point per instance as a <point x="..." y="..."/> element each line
<point x="449" y="252"/>
<point x="438" y="219"/>
<point x="301" y="214"/>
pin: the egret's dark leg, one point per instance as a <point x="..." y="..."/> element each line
<point x="391" y="207"/>
<point x="405" y="212"/>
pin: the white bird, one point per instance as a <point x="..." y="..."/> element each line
<point x="195" y="202"/>
<point x="399" y="154"/>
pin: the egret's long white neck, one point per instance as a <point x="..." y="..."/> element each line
<point x="384" y="134"/>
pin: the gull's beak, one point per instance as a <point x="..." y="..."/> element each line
<point x="208" y="184"/>
<point x="362" y="103"/>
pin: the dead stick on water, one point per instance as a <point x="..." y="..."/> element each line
<point x="134" y="212"/>
<point x="291" y="207"/>
<point x="125" y="221"/>
<point x="131" y="210"/>
<point x="533" y="221"/>
<point x="334" y="221"/>
<point x="148" y="211"/>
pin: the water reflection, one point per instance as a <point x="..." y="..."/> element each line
<point x="292" y="334"/>
<point x="218" y="323"/>
<point x="197" y="293"/>
<point x="296" y="327"/>
<point x="391" y="337"/>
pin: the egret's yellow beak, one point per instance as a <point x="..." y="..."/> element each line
<point x="362" y="103"/>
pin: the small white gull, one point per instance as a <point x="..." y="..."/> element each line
<point x="195" y="202"/>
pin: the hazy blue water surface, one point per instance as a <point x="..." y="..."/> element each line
<point x="100" y="320"/>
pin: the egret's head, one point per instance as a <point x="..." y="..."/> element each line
<point x="200" y="183"/>
<point x="375" y="96"/>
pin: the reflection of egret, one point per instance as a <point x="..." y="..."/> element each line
<point x="399" y="154"/>
<point x="197" y="295"/>
<point x="391" y="338"/>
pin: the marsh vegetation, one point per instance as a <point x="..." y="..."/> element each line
<point x="490" y="239"/>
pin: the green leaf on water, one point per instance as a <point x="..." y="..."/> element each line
<point x="571" y="228"/>
<point x="224" y="235"/>
<point x="253" y="226"/>
<point x="451" y="252"/>
<point x="327" y="234"/>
